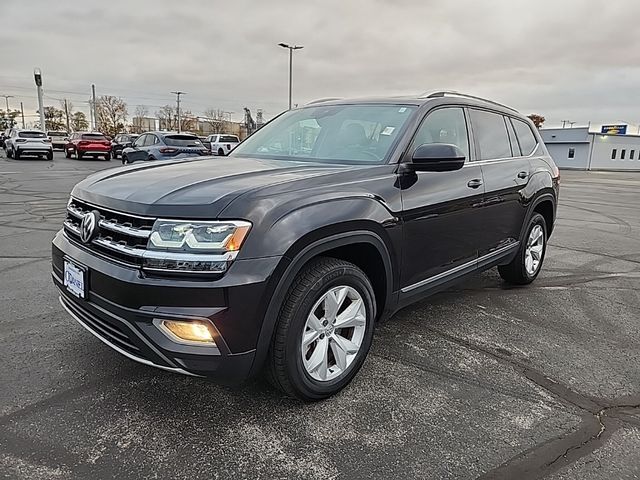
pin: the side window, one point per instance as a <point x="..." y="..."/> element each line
<point x="491" y="134"/>
<point x="526" y="137"/>
<point x="140" y="141"/>
<point x="150" y="140"/>
<point x="444" y="125"/>
<point x="515" y="146"/>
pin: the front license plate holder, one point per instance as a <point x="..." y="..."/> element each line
<point x="75" y="279"/>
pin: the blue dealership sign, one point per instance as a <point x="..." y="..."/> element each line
<point x="614" y="130"/>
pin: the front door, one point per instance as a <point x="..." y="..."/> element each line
<point x="440" y="209"/>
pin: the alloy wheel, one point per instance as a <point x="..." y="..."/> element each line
<point x="533" y="252"/>
<point x="333" y="333"/>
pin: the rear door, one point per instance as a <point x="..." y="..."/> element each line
<point x="505" y="171"/>
<point x="441" y="221"/>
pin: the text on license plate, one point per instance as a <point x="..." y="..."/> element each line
<point x="74" y="279"/>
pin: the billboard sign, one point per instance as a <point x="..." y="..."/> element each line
<point x="614" y="130"/>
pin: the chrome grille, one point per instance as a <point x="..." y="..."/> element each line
<point x="121" y="236"/>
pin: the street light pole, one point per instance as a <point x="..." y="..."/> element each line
<point x="7" y="97"/>
<point x="37" y="75"/>
<point x="291" y="48"/>
<point x="178" y="93"/>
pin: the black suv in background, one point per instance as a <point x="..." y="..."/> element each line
<point x="121" y="142"/>
<point x="282" y="256"/>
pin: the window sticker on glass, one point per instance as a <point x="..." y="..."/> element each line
<point x="387" y="131"/>
<point x="402" y="110"/>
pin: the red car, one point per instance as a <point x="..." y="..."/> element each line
<point x="88" y="144"/>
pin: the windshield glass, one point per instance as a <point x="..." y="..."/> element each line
<point x="32" y="135"/>
<point x="182" y="141"/>
<point x="93" y="136"/>
<point x="330" y="133"/>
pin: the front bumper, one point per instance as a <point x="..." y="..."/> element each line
<point x="121" y="303"/>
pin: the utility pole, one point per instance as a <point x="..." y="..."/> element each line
<point x="291" y="49"/>
<point x="7" y="97"/>
<point x="37" y="75"/>
<point x="95" y="113"/>
<point x="177" y="94"/>
<point x="22" y="113"/>
<point x="66" y="114"/>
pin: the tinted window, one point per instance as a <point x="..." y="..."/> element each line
<point x="330" y="133"/>
<point x="526" y="137"/>
<point x="32" y="135"/>
<point x="182" y="141"/>
<point x="93" y="136"/>
<point x="228" y="138"/>
<point x="515" y="146"/>
<point x="491" y="134"/>
<point x="150" y="140"/>
<point x="445" y="125"/>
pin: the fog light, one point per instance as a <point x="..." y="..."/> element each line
<point x="191" y="332"/>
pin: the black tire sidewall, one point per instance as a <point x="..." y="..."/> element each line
<point x="536" y="219"/>
<point x="298" y="375"/>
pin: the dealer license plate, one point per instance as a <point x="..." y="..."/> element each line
<point x="74" y="279"/>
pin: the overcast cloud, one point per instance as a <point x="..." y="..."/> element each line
<point x="565" y="59"/>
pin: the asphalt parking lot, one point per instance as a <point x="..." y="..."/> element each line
<point x="480" y="381"/>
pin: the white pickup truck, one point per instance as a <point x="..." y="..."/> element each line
<point x="221" y="143"/>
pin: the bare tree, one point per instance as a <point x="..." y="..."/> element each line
<point x="537" y="120"/>
<point x="139" y="124"/>
<point x="168" y="117"/>
<point x="79" y="122"/>
<point x="112" y="114"/>
<point x="217" y="118"/>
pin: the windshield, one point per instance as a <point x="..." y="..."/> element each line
<point x="182" y="141"/>
<point x="93" y="136"/>
<point x="32" y="135"/>
<point x="330" y="133"/>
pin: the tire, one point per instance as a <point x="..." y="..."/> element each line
<point x="114" y="154"/>
<point x="67" y="153"/>
<point x="286" y="367"/>
<point x="50" y="155"/>
<point x="151" y="158"/>
<point x="9" y="153"/>
<point x="16" y="154"/>
<point x="523" y="270"/>
<point x="78" y="155"/>
<point x="107" y="157"/>
<point x="220" y="152"/>
<point x="125" y="160"/>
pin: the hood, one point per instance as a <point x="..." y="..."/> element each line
<point x="205" y="185"/>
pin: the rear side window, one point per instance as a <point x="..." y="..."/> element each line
<point x="526" y="138"/>
<point x="93" y="136"/>
<point x="491" y="133"/>
<point x="515" y="146"/>
<point x="32" y="135"/>
<point x="182" y="141"/>
<point x="229" y="138"/>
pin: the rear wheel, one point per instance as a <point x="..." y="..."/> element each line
<point x="78" y="155"/>
<point x="324" y="330"/>
<point x="9" y="152"/>
<point x="67" y="153"/>
<point x="50" y="155"/>
<point x="526" y="265"/>
<point x="221" y="152"/>
<point x="151" y="157"/>
<point x="125" y="160"/>
<point x="16" y="154"/>
<point x="107" y="157"/>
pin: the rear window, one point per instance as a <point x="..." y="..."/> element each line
<point x="32" y="135"/>
<point x="58" y="134"/>
<point x="93" y="136"/>
<point x="229" y="138"/>
<point x="182" y="141"/>
<point x="491" y="133"/>
<point x="526" y="138"/>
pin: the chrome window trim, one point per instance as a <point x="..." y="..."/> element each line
<point x="459" y="268"/>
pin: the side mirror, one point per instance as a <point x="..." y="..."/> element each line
<point x="437" y="157"/>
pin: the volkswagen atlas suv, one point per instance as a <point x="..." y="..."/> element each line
<point x="282" y="257"/>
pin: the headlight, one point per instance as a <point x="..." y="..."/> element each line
<point x="207" y="247"/>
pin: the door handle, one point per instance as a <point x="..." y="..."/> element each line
<point x="475" y="183"/>
<point x="523" y="174"/>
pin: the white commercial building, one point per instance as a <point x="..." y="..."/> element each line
<point x="610" y="147"/>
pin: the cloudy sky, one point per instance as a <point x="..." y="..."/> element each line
<point x="565" y="59"/>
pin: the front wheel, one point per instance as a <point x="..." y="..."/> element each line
<point x="526" y="265"/>
<point x="324" y="330"/>
<point x="125" y="160"/>
<point x="220" y="152"/>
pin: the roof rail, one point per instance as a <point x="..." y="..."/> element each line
<point x="453" y="93"/>
<point x="322" y="100"/>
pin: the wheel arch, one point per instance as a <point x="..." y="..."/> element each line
<point x="347" y="245"/>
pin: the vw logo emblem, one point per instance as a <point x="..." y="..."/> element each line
<point x="88" y="226"/>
